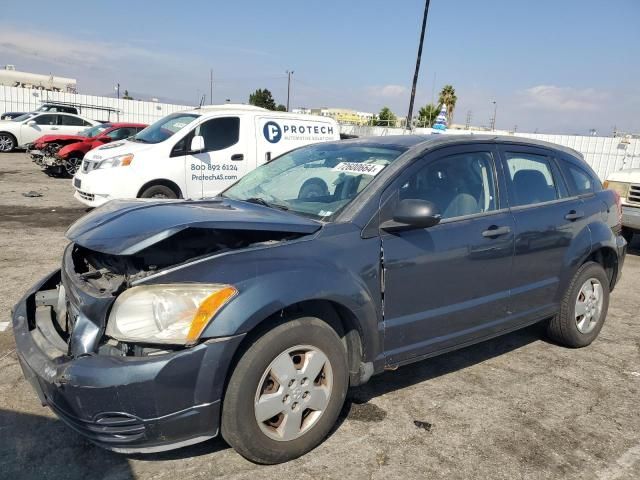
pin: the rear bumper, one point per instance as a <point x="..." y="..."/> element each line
<point x="631" y="217"/>
<point x="126" y="404"/>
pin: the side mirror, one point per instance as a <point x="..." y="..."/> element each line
<point x="197" y="143"/>
<point x="31" y="123"/>
<point x="412" y="214"/>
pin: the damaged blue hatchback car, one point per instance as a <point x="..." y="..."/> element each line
<point x="251" y="314"/>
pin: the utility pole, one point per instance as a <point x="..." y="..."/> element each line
<point x="211" y="87"/>
<point x="419" y="57"/>
<point x="289" y="73"/>
<point x="495" y="111"/>
<point x="118" y="90"/>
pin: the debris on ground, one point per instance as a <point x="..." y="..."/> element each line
<point x="424" y="425"/>
<point x="31" y="194"/>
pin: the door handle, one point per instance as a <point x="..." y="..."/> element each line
<point x="574" y="215"/>
<point x="237" y="157"/>
<point x="495" y="231"/>
<point x="55" y="128"/>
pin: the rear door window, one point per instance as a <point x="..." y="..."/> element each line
<point x="581" y="182"/>
<point x="531" y="179"/>
<point x="71" y="121"/>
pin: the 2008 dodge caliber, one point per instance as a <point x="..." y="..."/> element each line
<point x="250" y="314"/>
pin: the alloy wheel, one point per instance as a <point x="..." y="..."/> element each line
<point x="589" y="305"/>
<point x="293" y="393"/>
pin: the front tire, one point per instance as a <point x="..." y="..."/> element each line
<point x="583" y="308"/>
<point x="71" y="165"/>
<point x="286" y="391"/>
<point x="7" y="142"/>
<point x="159" y="191"/>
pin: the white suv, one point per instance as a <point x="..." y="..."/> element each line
<point x="29" y="127"/>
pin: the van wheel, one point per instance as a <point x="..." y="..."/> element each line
<point x="286" y="392"/>
<point x="7" y="142"/>
<point x="583" y="308"/>
<point x="158" y="191"/>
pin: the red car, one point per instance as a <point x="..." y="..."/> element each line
<point x="63" y="154"/>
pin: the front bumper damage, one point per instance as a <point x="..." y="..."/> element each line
<point x="122" y="403"/>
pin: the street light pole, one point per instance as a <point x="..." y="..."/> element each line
<point x="415" y="75"/>
<point x="495" y="111"/>
<point x="118" y="90"/>
<point x="289" y="73"/>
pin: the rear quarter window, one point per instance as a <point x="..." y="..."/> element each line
<point x="580" y="181"/>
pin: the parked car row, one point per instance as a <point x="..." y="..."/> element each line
<point x="27" y="128"/>
<point x="62" y="154"/>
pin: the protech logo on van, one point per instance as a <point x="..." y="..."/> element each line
<point x="274" y="132"/>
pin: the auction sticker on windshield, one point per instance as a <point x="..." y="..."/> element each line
<point x="365" y="168"/>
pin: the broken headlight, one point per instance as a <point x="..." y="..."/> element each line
<point x="175" y="314"/>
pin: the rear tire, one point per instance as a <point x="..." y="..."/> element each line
<point x="8" y="142"/>
<point x="271" y="411"/>
<point x="583" y="308"/>
<point x="158" y="191"/>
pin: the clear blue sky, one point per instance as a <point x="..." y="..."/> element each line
<point x="558" y="66"/>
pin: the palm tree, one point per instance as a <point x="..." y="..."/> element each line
<point x="427" y="115"/>
<point x="448" y="98"/>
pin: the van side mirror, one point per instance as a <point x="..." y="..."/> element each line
<point x="31" y="123"/>
<point x="197" y="143"/>
<point x="412" y="213"/>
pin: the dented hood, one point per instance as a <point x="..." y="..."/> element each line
<point x="125" y="227"/>
<point x="56" y="138"/>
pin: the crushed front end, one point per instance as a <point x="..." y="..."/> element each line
<point x="124" y="397"/>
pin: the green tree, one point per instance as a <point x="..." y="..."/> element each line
<point x="448" y="98"/>
<point x="126" y="95"/>
<point x="427" y="115"/>
<point x="385" y="118"/>
<point x="281" y="108"/>
<point x="262" y="98"/>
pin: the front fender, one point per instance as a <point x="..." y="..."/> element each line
<point x="273" y="278"/>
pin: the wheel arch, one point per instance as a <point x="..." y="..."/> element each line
<point x="607" y="257"/>
<point x="161" y="181"/>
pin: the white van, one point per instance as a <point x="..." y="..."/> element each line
<point x="195" y="153"/>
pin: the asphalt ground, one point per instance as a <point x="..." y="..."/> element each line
<point x="517" y="407"/>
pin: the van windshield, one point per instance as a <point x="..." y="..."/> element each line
<point x="164" y="128"/>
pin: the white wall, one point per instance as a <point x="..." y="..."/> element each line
<point x="13" y="99"/>
<point x="604" y="154"/>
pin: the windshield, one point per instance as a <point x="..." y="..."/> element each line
<point x="23" y="117"/>
<point x="164" y="128"/>
<point x="94" y="131"/>
<point x="317" y="181"/>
